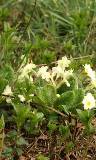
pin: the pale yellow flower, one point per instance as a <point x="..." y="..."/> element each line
<point x="7" y="91"/>
<point x="58" y="95"/>
<point x="88" y="101"/>
<point x="64" y="62"/>
<point x="31" y="95"/>
<point x="58" y="72"/>
<point x="94" y="83"/>
<point x="24" y="72"/>
<point x="21" y="97"/>
<point x="29" y="67"/>
<point x="66" y="76"/>
<point x="43" y="73"/>
<point x="8" y="100"/>
<point x="91" y="74"/>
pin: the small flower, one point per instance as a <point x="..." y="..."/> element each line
<point x="66" y="76"/>
<point x="88" y="68"/>
<point x="58" y="72"/>
<point x="90" y="72"/>
<point x="58" y="95"/>
<point x="24" y="72"/>
<point x="89" y="101"/>
<point x="21" y="97"/>
<point x="64" y="62"/>
<point x="8" y="100"/>
<point x="94" y="83"/>
<point x="7" y="91"/>
<point x="30" y="79"/>
<point x="31" y="95"/>
<point x="42" y="72"/>
<point x="28" y="68"/>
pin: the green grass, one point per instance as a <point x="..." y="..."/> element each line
<point x="66" y="27"/>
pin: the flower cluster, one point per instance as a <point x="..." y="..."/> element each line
<point x="21" y="97"/>
<point x="42" y="72"/>
<point x="25" y="72"/>
<point x="57" y="74"/>
<point x="60" y="72"/>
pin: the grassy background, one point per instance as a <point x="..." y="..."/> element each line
<point x="46" y="29"/>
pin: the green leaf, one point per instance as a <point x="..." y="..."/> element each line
<point x="66" y="98"/>
<point x="19" y="151"/>
<point x="22" y="112"/>
<point x="3" y="84"/>
<point x="12" y="135"/>
<point x="63" y="88"/>
<point x="36" y="117"/>
<point x="42" y="157"/>
<point x="7" y="72"/>
<point x="89" y="129"/>
<point x="85" y="116"/>
<point x="21" y="141"/>
<point x="7" y="152"/>
<point x="33" y="123"/>
<point x="52" y="126"/>
<point x="47" y="95"/>
<point x="69" y="146"/>
<point x="79" y="95"/>
<point x="2" y="123"/>
<point x="70" y="100"/>
<point x="64" y="130"/>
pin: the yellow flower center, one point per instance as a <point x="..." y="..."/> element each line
<point x="88" y="104"/>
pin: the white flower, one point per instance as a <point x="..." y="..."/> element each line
<point x="58" y="95"/>
<point x="94" y="82"/>
<point x="89" y="101"/>
<point x="91" y="74"/>
<point x="8" y="100"/>
<point x="24" y="72"/>
<point x="30" y="98"/>
<point x="22" y="76"/>
<point x="42" y="72"/>
<point x="21" y="97"/>
<point x="28" y="68"/>
<point x="66" y="76"/>
<point x="31" y="95"/>
<point x="87" y="68"/>
<point x="58" y="72"/>
<point x="7" y="91"/>
<point x="64" y="62"/>
<point x="30" y="79"/>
